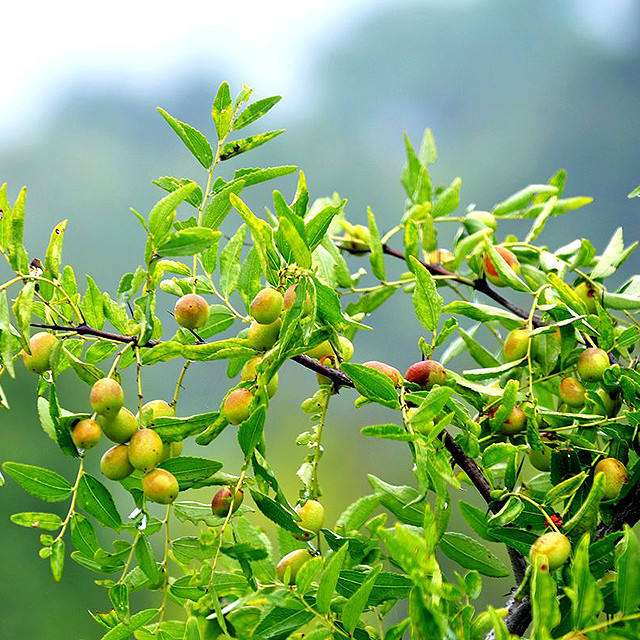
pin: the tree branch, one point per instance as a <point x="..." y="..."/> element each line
<point x="479" y="284"/>
<point x="85" y="330"/>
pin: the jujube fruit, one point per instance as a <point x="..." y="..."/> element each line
<point x="86" y="434"/>
<point x="115" y="464"/>
<point x="263" y="336"/>
<point x="40" y="344"/>
<point x="427" y="373"/>
<point x="588" y="293"/>
<point x="609" y="406"/>
<point x="145" y="449"/>
<point x="592" y="364"/>
<point x="312" y="514"/>
<point x="615" y="476"/>
<point x="160" y="486"/>
<point x="441" y="256"/>
<point x="236" y="408"/>
<point x="159" y="409"/>
<point x="516" y="345"/>
<point x="555" y="546"/>
<point x="477" y="220"/>
<point x="106" y="397"/>
<point x="222" y="501"/>
<point x="541" y="460"/>
<point x="290" y="298"/>
<point x="293" y="560"/>
<point x="391" y="372"/>
<point x="250" y="372"/>
<point x="267" y="306"/>
<point x="191" y="311"/>
<point x="171" y="450"/>
<point x="572" y="392"/>
<point x="492" y="273"/>
<point x="120" y="427"/>
<point x="515" y="423"/>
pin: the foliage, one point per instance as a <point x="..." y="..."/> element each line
<point x="381" y="554"/>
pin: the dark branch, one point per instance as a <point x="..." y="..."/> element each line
<point x="85" y="330"/>
<point x="480" y="285"/>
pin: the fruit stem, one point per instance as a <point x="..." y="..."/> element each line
<point x="165" y="562"/>
<point x="176" y="394"/>
<point x="318" y="444"/>
<point x="548" y="519"/>
<point x="72" y="506"/>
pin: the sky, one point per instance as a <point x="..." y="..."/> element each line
<point x="141" y="45"/>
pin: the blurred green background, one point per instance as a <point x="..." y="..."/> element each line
<point x="512" y="91"/>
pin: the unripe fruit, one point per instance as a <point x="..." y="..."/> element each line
<point x="294" y="560"/>
<point x="427" y="373"/>
<point x="236" y="407"/>
<point x="115" y="464"/>
<point x="592" y="364"/>
<point x="222" y="501"/>
<point x="160" y="486"/>
<point x="515" y="423"/>
<point x="356" y="239"/>
<point x="267" y="306"/>
<point x="516" y="345"/>
<point x="171" y="450"/>
<point x="588" y="293"/>
<point x="326" y="361"/>
<point x="191" y="311"/>
<point x="106" y="397"/>
<point x="249" y="372"/>
<point x="345" y="347"/>
<point x="492" y="273"/>
<point x="312" y="514"/>
<point x="572" y="392"/>
<point x="615" y="474"/>
<point x="320" y="351"/>
<point x="145" y="449"/>
<point x="391" y="372"/>
<point x="574" y="635"/>
<point x="290" y="298"/>
<point x="121" y="427"/>
<point x="263" y="336"/>
<point x="555" y="546"/>
<point x="541" y="460"/>
<point x="159" y="409"/>
<point x="86" y="434"/>
<point x="40" y="344"/>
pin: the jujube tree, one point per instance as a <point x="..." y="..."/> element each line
<point x="544" y="428"/>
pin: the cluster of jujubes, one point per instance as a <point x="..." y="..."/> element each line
<point x="137" y="447"/>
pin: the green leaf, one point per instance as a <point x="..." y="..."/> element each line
<point x="123" y="630"/>
<point x="612" y="257"/>
<point x="565" y="489"/>
<point x="187" y="242"/>
<point x="195" y="512"/>
<point x="433" y="404"/>
<point x="22" y="309"/>
<point x="448" y="200"/>
<point x="376" y="255"/>
<point x="46" y="521"/>
<point x="86" y="372"/>
<point x="426" y="300"/>
<point x="100" y="350"/>
<point x="119" y="596"/>
<point x="177" y="429"/>
<point x="189" y="470"/>
<point x="56" y="559"/>
<point x="506" y="273"/>
<point x="96" y="500"/>
<point x="251" y="431"/>
<point x="584" y="593"/>
<point x="275" y="511"/>
<point x="508" y="513"/>
<point x="163" y="212"/>
<point x="219" y="205"/>
<point x="255" y="111"/>
<point x="256" y="175"/>
<point x="491" y="372"/>
<point x="372" y="384"/>
<point x="39" y="482"/>
<point x="146" y="560"/>
<point x="6" y="339"/>
<point x="230" y="261"/>
<point x="235" y="148"/>
<point x="192" y="138"/>
<point x="628" y="570"/>
<point x="221" y="350"/>
<point x="317" y="227"/>
<point x="295" y="243"/>
<point x="544" y="601"/>
<point x="170" y="184"/>
<point x="162" y="352"/>
<point x="307" y="573"/>
<point x="53" y="257"/>
<point x="280" y="622"/>
<point x="83" y="535"/>
<point x="14" y="231"/>
<point x="357" y="513"/>
<point x="388" y="585"/>
<point x="401" y="501"/>
<point x="222" y="111"/>
<point x="356" y="604"/>
<point x="472" y="555"/>
<point x="522" y="198"/>
<point x="329" y="579"/>
<point x="476" y="350"/>
<point x="388" y="431"/>
<point x="484" y="313"/>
